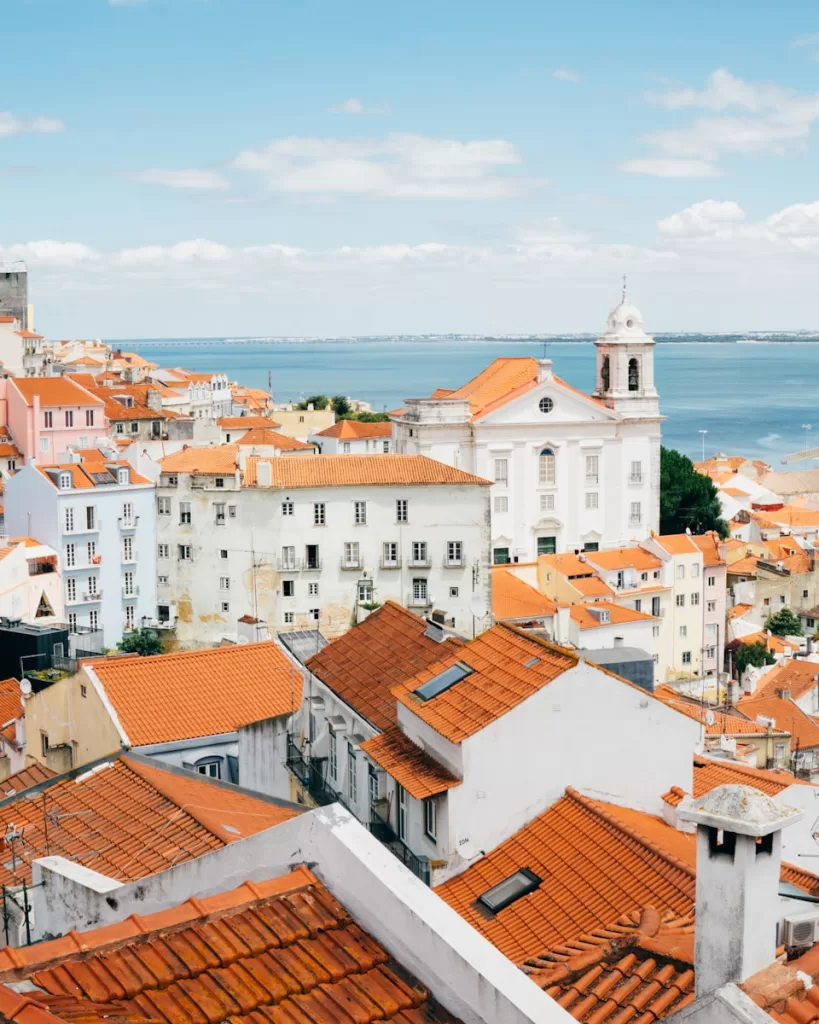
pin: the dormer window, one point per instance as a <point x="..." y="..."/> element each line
<point x="65" y="481"/>
<point x="605" y="616"/>
<point x="122" y="476"/>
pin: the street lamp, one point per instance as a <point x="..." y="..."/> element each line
<point x="703" y="433"/>
<point x="806" y="427"/>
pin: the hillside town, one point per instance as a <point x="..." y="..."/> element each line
<point x="311" y="714"/>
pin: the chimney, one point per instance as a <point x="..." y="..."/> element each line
<point x="618" y="641"/>
<point x="544" y="370"/>
<point x="264" y="473"/>
<point x="739" y="855"/>
<point x="784" y="693"/>
<point x="251" y="630"/>
<point x="562" y="622"/>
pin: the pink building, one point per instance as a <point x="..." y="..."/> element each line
<point x="46" y="415"/>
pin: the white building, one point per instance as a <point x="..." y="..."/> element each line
<point x="352" y="437"/>
<point x="570" y="470"/>
<point x="100" y="517"/>
<point x="207" y="395"/>
<point x="317" y="541"/>
<point x="31" y="587"/>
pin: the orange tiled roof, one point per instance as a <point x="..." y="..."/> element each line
<point x="9" y="450"/>
<point x="81" y="472"/>
<point x="54" y="391"/>
<point x="11" y="701"/>
<point x="85" y="380"/>
<point x="127" y="819"/>
<point x="787" y="716"/>
<point x="363" y="665"/>
<point x="239" y="422"/>
<point x="591" y="586"/>
<point x="774" y="644"/>
<point x="414" y="769"/>
<point x="709" y="773"/>
<point x="585" y="618"/>
<point x="677" y="543"/>
<point x="356" y="430"/>
<point x="787" y="992"/>
<point x="743" y="566"/>
<point x="496" y="382"/>
<point x="625" y="558"/>
<point x="796" y="675"/>
<point x="265" y="436"/>
<point x="512" y="598"/>
<point x="568" y="564"/>
<point x="717" y="723"/>
<point x="31" y="775"/>
<point x="739" y="610"/>
<point x="794" y="515"/>
<point x="500" y="680"/>
<point x="639" y="969"/>
<point x="218" y="459"/>
<point x="282" y="950"/>
<point x="198" y="693"/>
<point x="354" y="470"/>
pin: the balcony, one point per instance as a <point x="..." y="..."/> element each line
<point x="384" y="833"/>
<point x="635" y="478"/>
<point x="455" y="563"/>
<point x="418" y="601"/>
<point x="298" y="565"/>
<point x="83" y="528"/>
<point x="390" y="563"/>
<point x="132" y="591"/>
<point x="310" y="776"/>
<point x="422" y="562"/>
<point x="351" y="563"/>
<point x="127" y="525"/>
<point x="92" y="595"/>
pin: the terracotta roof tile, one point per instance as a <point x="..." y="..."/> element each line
<point x="265" y="436"/>
<point x="418" y="772"/>
<point x="354" y="470"/>
<point x="283" y="950"/>
<point x="198" y="693"/>
<point x="128" y="820"/>
<point x="677" y="543"/>
<point x="739" y="610"/>
<point x="591" y="586"/>
<point x="568" y="564"/>
<point x="213" y="459"/>
<point x="356" y="430"/>
<point x="32" y="775"/>
<point x="787" y="716"/>
<point x="584" y="615"/>
<point x="54" y="391"/>
<point x="717" y="723"/>
<point x="743" y="566"/>
<point x="507" y="667"/>
<point x="82" y="472"/>
<point x="512" y="598"/>
<point x="625" y="558"/>
<point x="796" y="675"/>
<point x="11" y="700"/>
<point x="9" y="450"/>
<point x="708" y="774"/>
<point x="249" y="422"/>
<point x="364" y="664"/>
<point x="501" y="377"/>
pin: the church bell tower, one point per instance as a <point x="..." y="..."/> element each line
<point x="625" y="364"/>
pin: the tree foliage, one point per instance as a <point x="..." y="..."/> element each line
<point x="317" y="401"/>
<point x="755" y="654"/>
<point x="688" y="500"/>
<point x="784" y="623"/>
<point x="141" y="641"/>
<point x="341" y="407"/>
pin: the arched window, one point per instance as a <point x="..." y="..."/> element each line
<point x="547" y="466"/>
<point x="633" y="375"/>
<point x="605" y="373"/>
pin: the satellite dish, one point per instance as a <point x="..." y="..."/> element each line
<point x="465" y="846"/>
<point x="710" y="718"/>
<point x="478" y="605"/>
<point x="25" y="687"/>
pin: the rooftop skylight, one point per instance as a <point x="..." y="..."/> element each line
<point x="521" y="883"/>
<point x="449" y="677"/>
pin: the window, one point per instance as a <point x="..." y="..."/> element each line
<point x="546" y="405"/>
<point x="546" y="466"/>
<point x="712" y="606"/>
<point x="419" y="591"/>
<point x="48" y="420"/>
<point x="710" y="652"/>
<point x="712" y="581"/>
<point x="89" y="417"/>
<point x="638" y="605"/>
<point x="810" y="623"/>
<point x="686" y="657"/>
<point x="163" y="506"/>
<point x="287" y="508"/>
<point x="655" y="630"/>
<point x="389" y="553"/>
<point x="315" y="614"/>
<point x="162" y="581"/>
<point x="288" y="557"/>
<point x="333" y="756"/>
<point x="135" y="427"/>
<point x="402" y="813"/>
<point x="223" y="552"/>
<point x="635" y="475"/>
<point x="695" y="598"/>
<point x="547" y="503"/>
<point x="352" y="781"/>
<point x="453" y="591"/>
<point x="804" y="594"/>
<point x="635" y="513"/>
<point x="695" y="569"/>
<point x="521" y="883"/>
<point x="419" y="552"/>
<point x="219" y="481"/>
<point x="680" y="572"/>
<point x="592" y="469"/>
<point x="44" y="743"/>
<point x="502" y="471"/>
<point x="656" y="574"/>
<point x="351" y="554"/>
<point x="83" y="441"/>
<point x="69" y="418"/>
<point x="365" y="591"/>
<point x="289" y="618"/>
<point x="185" y="552"/>
<point x="592" y="499"/>
<point x="766" y="601"/>
<point x="591" y="545"/>
<point x="312" y="589"/>
<point x="288" y="588"/>
<point x="128" y="585"/>
<point x="120" y="428"/>
<point x="431" y="819"/>
<point x="605" y="373"/>
<point x="319" y="515"/>
<point x="454" y="552"/>
<point x="44" y="444"/>
<point x="184" y="512"/>
<point x="681" y="600"/>
<point x="360" y="513"/>
<point x="72" y="622"/>
<point x="70" y="556"/>
<point x="129" y="617"/>
<point x="163" y="551"/>
<point x="219" y="513"/>
<point x="224" y="582"/>
<point x="683" y="632"/>
<point x="402" y="510"/>
<point x="92" y="585"/>
<point x="172" y="480"/>
<point x="546" y="545"/>
<point x="500" y="556"/>
<point x="71" y="589"/>
<point x="345" y="448"/>
<point x="91" y="517"/>
<point x="502" y="504"/>
<point x="211" y="768"/>
<point x="372" y="786"/>
<point x="633" y="374"/>
<point x="782" y="599"/>
<point x="127" y="549"/>
<point x="127" y="513"/>
<point x="94" y="620"/>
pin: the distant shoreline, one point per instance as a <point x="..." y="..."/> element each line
<point x="768" y="338"/>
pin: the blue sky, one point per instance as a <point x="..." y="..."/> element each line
<point x="209" y="167"/>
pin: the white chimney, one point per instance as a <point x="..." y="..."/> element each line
<point x="739" y="855"/>
<point x="264" y="473"/>
<point x="544" y="371"/>
<point x="618" y="641"/>
<point x="562" y="623"/>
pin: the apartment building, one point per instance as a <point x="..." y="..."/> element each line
<point x="49" y="415"/>
<point x="31" y="586"/>
<point x="317" y="542"/>
<point x="99" y="515"/>
<point x="351" y="437"/>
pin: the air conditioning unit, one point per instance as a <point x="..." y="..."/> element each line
<point x="800" y="929"/>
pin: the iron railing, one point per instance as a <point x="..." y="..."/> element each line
<point x="310" y="775"/>
<point x="385" y="834"/>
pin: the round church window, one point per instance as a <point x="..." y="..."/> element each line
<point x="546" y="405"/>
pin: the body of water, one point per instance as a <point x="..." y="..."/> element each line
<point x="751" y="398"/>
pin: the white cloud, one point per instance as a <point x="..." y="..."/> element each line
<point x="355" y="106"/>
<point x="706" y="219"/>
<point x="812" y="40"/>
<point x="196" y="250"/>
<point x="49" y="253"/>
<point x="400" y="166"/>
<point x="191" y="179"/>
<point x="794" y="229"/>
<point x="663" y="167"/>
<point x="550" y="242"/>
<point x="566" y="75"/>
<point x="10" y="124"/>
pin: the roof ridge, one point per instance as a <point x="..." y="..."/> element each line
<point x="591" y="805"/>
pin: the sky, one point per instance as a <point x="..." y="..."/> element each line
<point x="203" y="168"/>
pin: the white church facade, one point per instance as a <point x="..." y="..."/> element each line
<point x="570" y="471"/>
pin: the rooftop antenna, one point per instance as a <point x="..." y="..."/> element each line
<point x="624" y="287"/>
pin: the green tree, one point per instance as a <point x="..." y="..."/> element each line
<point x="369" y="417"/>
<point x="317" y="401"/>
<point x="755" y="655"/>
<point x="341" y="407"/>
<point x="784" y="623"/>
<point x="141" y="641"/>
<point x="687" y="498"/>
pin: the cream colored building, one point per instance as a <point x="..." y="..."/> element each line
<point x="301" y="423"/>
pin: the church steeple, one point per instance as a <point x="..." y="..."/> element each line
<point x="625" y="363"/>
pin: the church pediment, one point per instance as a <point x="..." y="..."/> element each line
<point x="552" y="401"/>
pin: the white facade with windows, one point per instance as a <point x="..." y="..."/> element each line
<point x="315" y="557"/>
<point x="104" y="531"/>
<point x="570" y="471"/>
